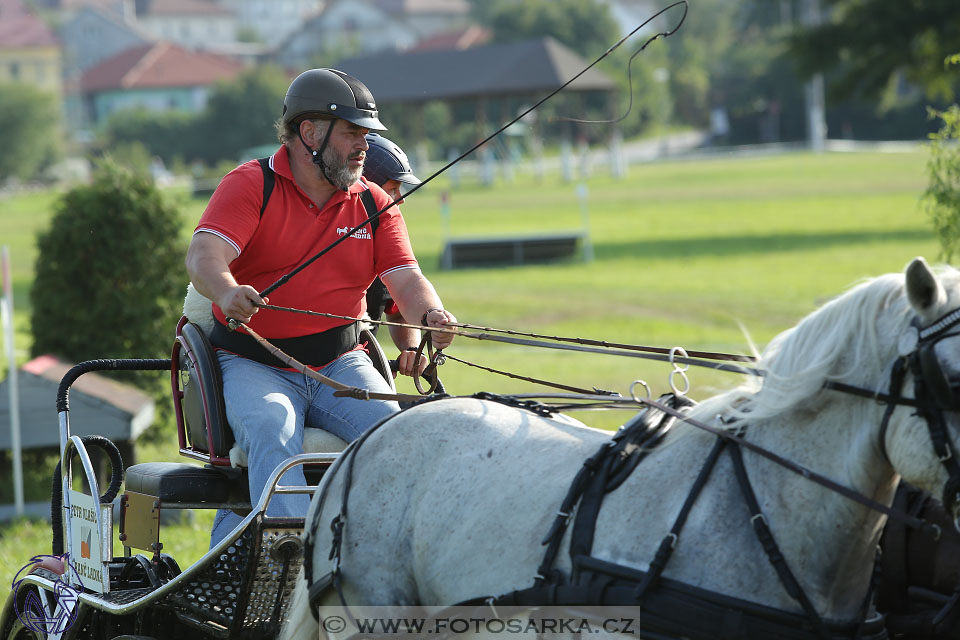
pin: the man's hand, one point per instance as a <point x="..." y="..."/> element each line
<point x="439" y="318"/>
<point x="407" y="362"/>
<point x="241" y="302"/>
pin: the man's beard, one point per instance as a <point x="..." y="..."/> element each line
<point x="339" y="173"/>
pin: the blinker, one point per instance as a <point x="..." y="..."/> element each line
<point x="938" y="384"/>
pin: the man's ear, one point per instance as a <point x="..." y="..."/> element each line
<point x="307" y="131"/>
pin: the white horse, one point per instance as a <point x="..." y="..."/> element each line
<point x="449" y="500"/>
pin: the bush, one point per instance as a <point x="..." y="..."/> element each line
<point x="109" y="273"/>
<point x="942" y="196"/>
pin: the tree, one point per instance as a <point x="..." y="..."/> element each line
<point x="942" y="196"/>
<point x="168" y="134"/>
<point x="697" y="57"/>
<point x="240" y="114"/>
<point x="870" y="43"/>
<point x="585" y="26"/>
<point x="29" y="128"/>
<point x="109" y="272"/>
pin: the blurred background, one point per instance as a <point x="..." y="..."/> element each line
<point x="177" y="87"/>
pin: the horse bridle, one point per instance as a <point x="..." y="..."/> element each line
<point x="933" y="393"/>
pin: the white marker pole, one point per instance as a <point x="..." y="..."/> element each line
<point x="6" y="307"/>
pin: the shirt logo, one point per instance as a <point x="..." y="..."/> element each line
<point x="362" y="234"/>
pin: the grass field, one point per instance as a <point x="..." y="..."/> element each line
<point x="686" y="253"/>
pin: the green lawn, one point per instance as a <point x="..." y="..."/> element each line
<point x="686" y="253"/>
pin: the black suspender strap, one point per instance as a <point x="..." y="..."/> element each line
<point x="370" y="206"/>
<point x="269" y="178"/>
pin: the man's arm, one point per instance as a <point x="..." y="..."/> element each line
<point x="208" y="263"/>
<point x="416" y="297"/>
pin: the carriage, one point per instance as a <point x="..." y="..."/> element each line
<point x="646" y="550"/>
<point x="240" y="588"/>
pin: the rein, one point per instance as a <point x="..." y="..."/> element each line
<point x="586" y="345"/>
<point x="789" y="465"/>
<point x="341" y="389"/>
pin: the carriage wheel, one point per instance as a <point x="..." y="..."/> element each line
<point x="15" y="629"/>
<point x="19" y="632"/>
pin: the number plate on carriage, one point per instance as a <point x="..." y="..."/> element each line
<point x="86" y="541"/>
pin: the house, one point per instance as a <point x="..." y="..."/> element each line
<point x="345" y="28"/>
<point x="456" y="40"/>
<point x="98" y="406"/>
<point x="29" y="51"/>
<point x="272" y="21"/>
<point x="427" y="18"/>
<point x="161" y="77"/>
<point x="194" y="24"/>
<point x="94" y="34"/>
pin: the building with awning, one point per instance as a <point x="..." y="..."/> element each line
<point x="513" y="73"/>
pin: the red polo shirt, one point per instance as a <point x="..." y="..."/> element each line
<point x="293" y="230"/>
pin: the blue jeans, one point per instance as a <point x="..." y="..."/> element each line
<point x="268" y="408"/>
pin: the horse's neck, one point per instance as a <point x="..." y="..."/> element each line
<point x="835" y="537"/>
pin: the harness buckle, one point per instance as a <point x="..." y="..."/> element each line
<point x="759" y="516"/>
<point x="947" y="454"/>
<point x="674" y="538"/>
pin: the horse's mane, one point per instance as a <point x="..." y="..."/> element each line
<point x="850" y="339"/>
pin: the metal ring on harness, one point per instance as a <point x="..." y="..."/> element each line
<point x="677" y="369"/>
<point x="643" y="384"/>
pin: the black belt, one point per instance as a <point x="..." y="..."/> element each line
<point x="315" y="350"/>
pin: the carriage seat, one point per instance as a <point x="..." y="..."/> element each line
<point x="182" y="483"/>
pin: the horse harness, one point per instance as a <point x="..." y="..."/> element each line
<point x="673" y="607"/>
<point x="667" y="606"/>
<point x="933" y="393"/>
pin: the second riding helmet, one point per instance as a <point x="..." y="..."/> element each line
<point x="386" y="161"/>
<point x="324" y="93"/>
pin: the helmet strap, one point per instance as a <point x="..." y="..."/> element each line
<point x="317" y="154"/>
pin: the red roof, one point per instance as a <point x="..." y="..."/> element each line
<point x="472" y="36"/>
<point x="117" y="394"/>
<point x="19" y="29"/>
<point x="159" y="65"/>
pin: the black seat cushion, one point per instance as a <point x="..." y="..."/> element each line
<point x="181" y="482"/>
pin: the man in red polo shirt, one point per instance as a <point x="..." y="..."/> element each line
<point x="240" y="247"/>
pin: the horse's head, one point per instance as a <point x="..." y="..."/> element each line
<point x="922" y="437"/>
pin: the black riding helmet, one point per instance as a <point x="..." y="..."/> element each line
<point x="325" y="93"/>
<point x="386" y="161"/>
<point x="328" y="93"/>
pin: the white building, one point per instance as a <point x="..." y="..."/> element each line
<point x="195" y="24"/>
<point x="272" y="20"/>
